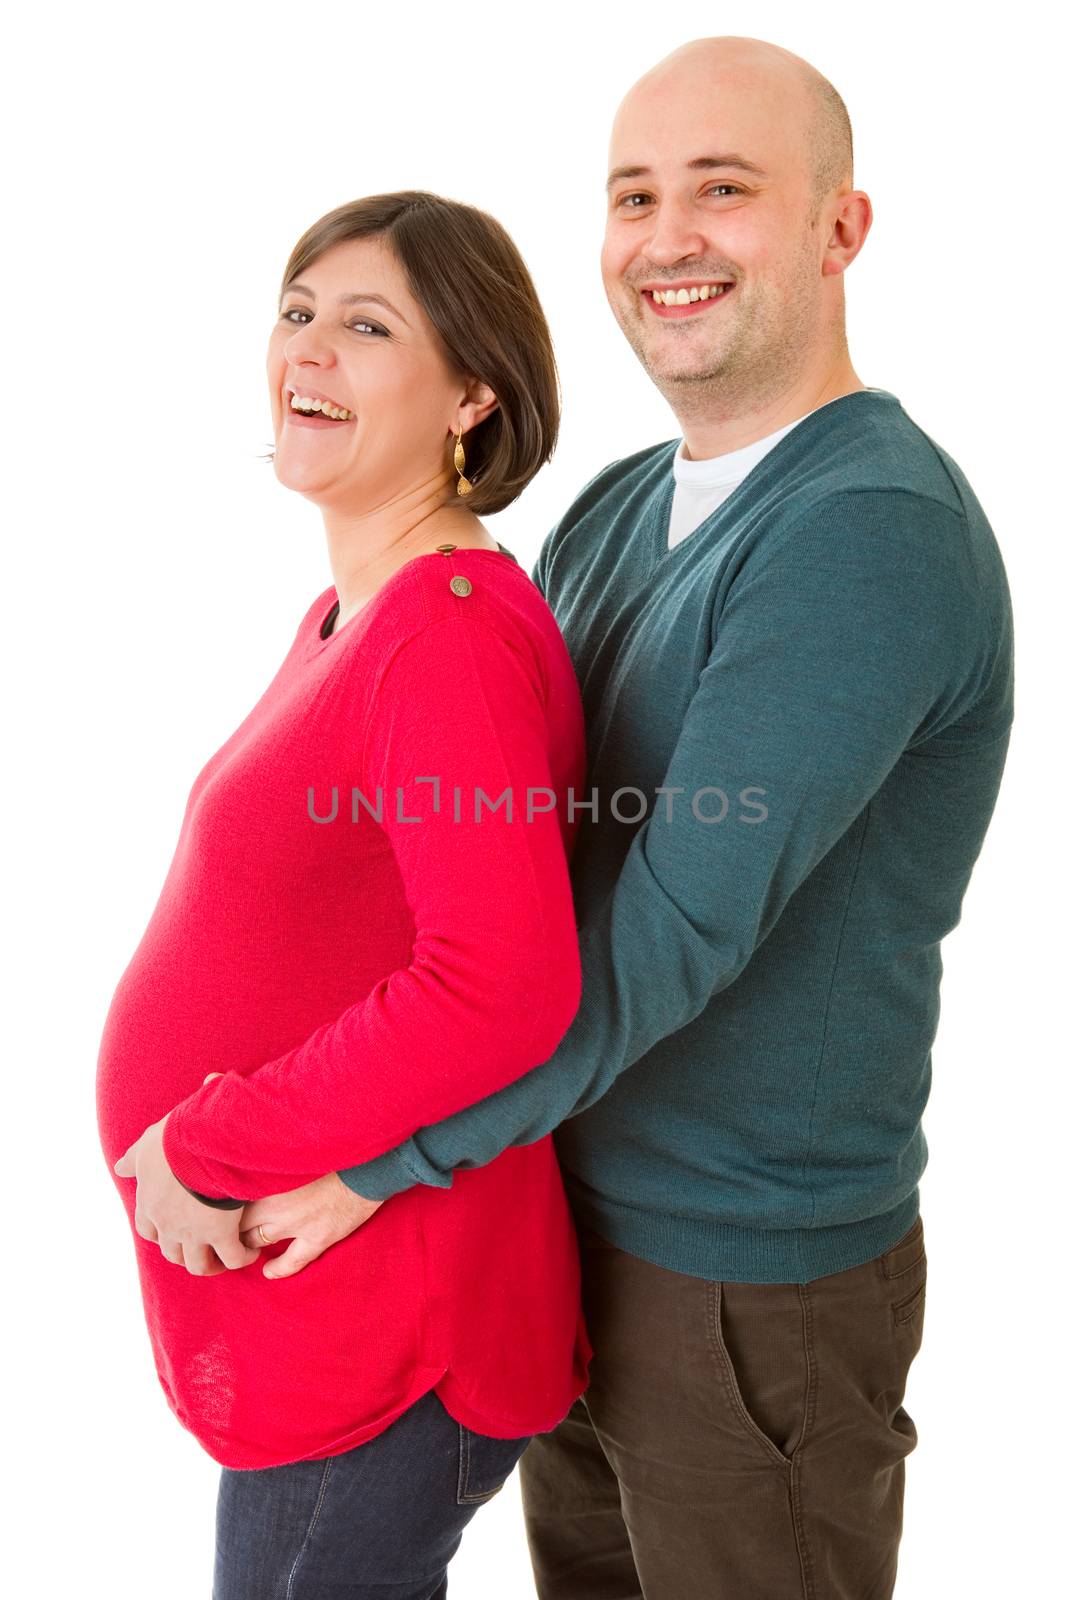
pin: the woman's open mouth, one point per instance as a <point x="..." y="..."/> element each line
<point x="307" y="411"/>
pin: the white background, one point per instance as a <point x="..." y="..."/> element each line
<point x="160" y="165"/>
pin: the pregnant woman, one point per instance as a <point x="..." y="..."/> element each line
<point x="366" y="926"/>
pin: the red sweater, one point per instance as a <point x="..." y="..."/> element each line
<point x="354" y="980"/>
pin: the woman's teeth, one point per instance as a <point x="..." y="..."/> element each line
<point x="681" y="297"/>
<point x="298" y="402"/>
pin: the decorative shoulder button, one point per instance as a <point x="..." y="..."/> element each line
<point x="460" y="585"/>
<point x="445" y="548"/>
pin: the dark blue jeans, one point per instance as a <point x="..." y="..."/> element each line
<point x="380" y="1522"/>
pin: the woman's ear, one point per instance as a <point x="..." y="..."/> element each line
<point x="477" y="404"/>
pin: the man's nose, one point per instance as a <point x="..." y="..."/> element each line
<point x="675" y="236"/>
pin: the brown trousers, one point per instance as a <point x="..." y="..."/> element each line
<point x="737" y="1441"/>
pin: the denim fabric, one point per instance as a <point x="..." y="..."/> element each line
<point x="380" y="1522"/>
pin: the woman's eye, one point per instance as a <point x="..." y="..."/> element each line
<point x="300" y="311"/>
<point x="732" y="186"/>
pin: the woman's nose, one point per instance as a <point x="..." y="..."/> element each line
<point x="308" y="342"/>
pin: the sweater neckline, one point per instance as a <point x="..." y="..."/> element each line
<point x="660" y="553"/>
<point x="319" y="641"/>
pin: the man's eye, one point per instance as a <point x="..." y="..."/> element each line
<point x="628" y="202"/>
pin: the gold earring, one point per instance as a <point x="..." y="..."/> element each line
<point x="464" y="486"/>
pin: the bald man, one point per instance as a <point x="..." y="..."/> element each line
<point x="793" y="634"/>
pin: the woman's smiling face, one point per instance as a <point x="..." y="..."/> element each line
<point x="351" y="331"/>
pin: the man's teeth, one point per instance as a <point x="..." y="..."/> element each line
<point x="300" y="402"/>
<point x="681" y="297"/>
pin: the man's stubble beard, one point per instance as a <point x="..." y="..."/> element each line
<point x="757" y="355"/>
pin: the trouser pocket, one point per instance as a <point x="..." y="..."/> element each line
<point x="484" y="1464"/>
<point x="760" y="1337"/>
<point x="904" y="1268"/>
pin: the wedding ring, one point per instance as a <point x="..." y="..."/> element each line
<point x="262" y="1235"/>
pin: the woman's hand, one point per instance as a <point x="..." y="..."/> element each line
<point x="200" y="1238"/>
<point x="206" y="1240"/>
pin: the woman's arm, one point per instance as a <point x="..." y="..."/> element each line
<point x="494" y="977"/>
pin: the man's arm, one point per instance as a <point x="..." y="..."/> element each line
<point x="459" y="707"/>
<point x="844" y="638"/>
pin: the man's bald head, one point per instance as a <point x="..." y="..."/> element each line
<point x="730" y="183"/>
<point x="793" y="86"/>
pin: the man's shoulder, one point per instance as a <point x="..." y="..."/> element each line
<point x="647" y="467"/>
<point x="866" y="443"/>
<point x="630" y="484"/>
<point x="869" y="463"/>
<point x="863" y="441"/>
<point x="862" y="449"/>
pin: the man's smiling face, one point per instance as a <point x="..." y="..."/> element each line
<point x="710" y="190"/>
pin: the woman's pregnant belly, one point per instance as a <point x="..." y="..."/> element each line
<point x="479" y="1282"/>
<point x="221" y="984"/>
<point x="261" y="1371"/>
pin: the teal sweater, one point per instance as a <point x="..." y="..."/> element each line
<point x="807" y="703"/>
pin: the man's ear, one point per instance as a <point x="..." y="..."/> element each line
<point x="477" y="405"/>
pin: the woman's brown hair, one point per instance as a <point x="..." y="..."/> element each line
<point x="467" y="274"/>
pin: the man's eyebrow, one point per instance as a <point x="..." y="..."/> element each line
<point x="699" y="164"/>
<point x="348" y="299"/>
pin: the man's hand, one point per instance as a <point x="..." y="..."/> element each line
<point x="200" y="1238"/>
<point x="314" y="1217"/>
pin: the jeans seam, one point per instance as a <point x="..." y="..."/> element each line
<point x="311" y="1528"/>
<point x="463" y="1495"/>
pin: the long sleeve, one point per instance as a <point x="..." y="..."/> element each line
<point x="851" y="633"/>
<point x="490" y="900"/>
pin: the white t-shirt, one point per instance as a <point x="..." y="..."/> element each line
<point x="700" y="487"/>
